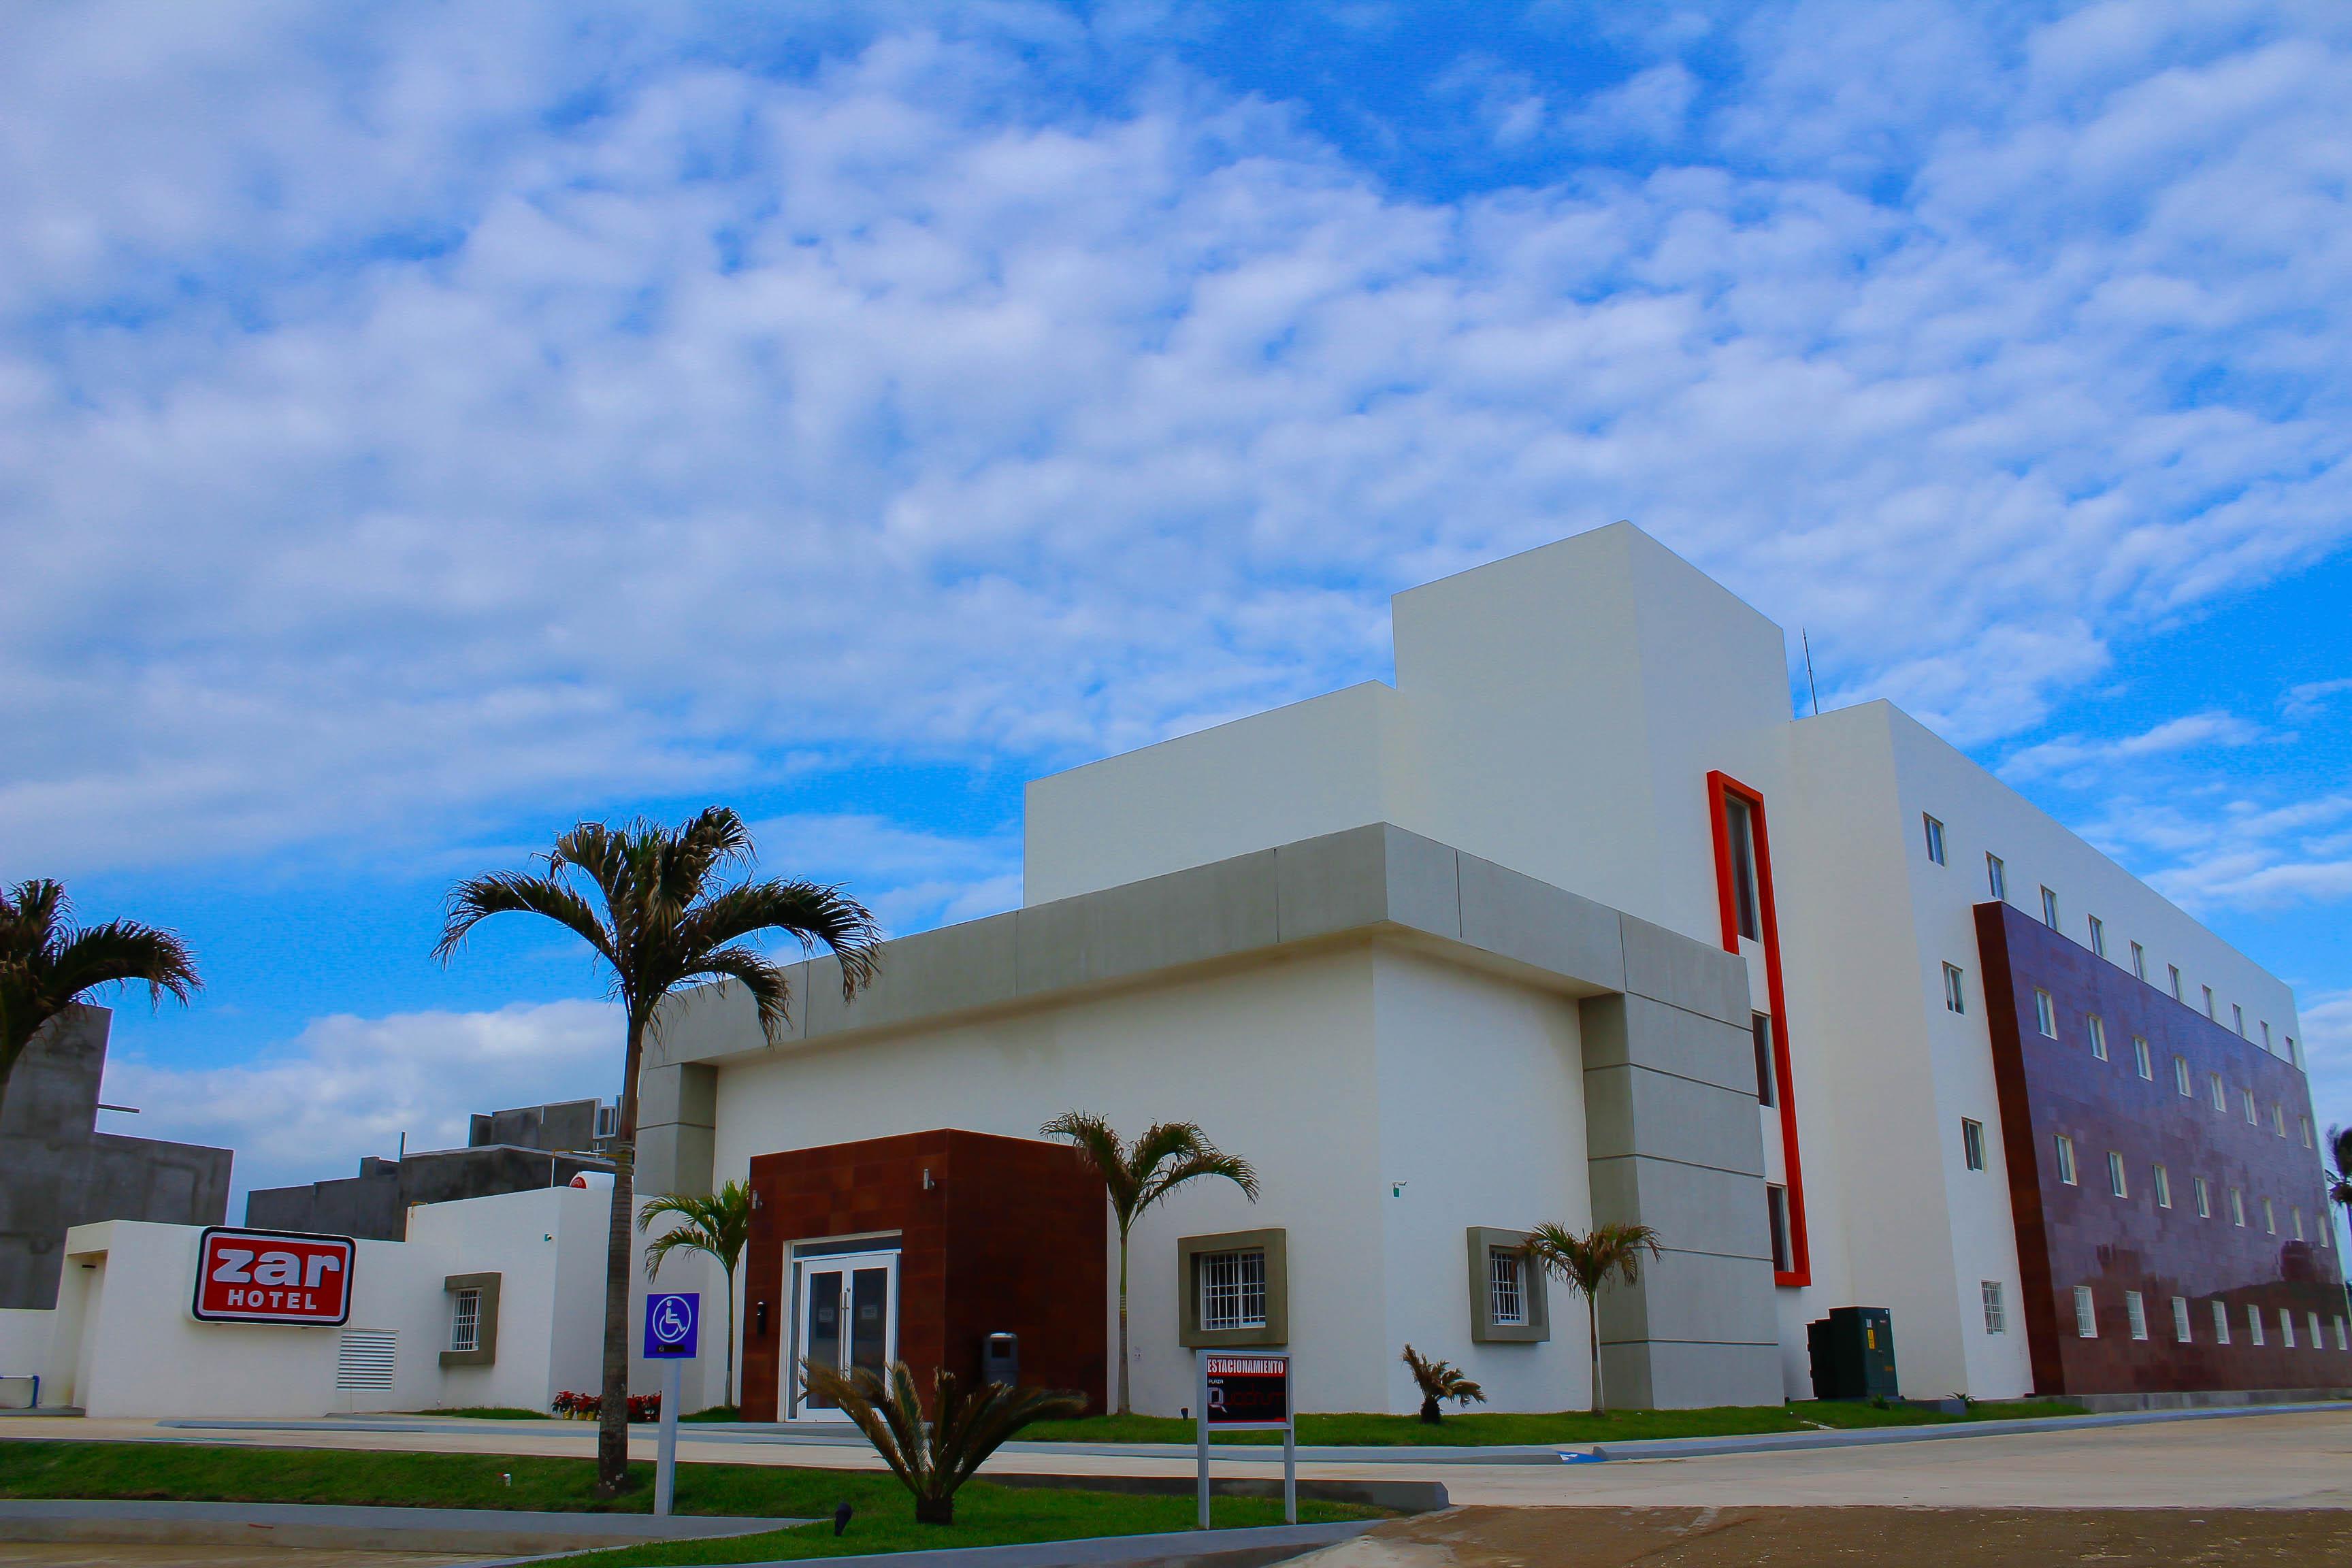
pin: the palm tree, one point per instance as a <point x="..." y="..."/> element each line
<point x="2340" y="1180"/>
<point x="47" y="963"/>
<point x="933" y="1458"/>
<point x="716" y="1223"/>
<point x="667" y="922"/>
<point x="1167" y="1155"/>
<point x="1440" y="1380"/>
<point x="1586" y="1262"/>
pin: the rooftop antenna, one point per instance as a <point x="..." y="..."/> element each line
<point x="1808" y="670"/>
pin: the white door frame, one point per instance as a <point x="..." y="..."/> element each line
<point x="848" y="1264"/>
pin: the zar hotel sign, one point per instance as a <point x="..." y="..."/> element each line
<point x="273" y="1276"/>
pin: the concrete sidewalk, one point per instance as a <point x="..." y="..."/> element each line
<point x="1179" y="1549"/>
<point x="330" y="1527"/>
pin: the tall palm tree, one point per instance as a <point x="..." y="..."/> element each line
<point x="47" y="963"/>
<point x="668" y="920"/>
<point x="716" y="1224"/>
<point x="1586" y="1262"/>
<point x="1167" y="1155"/>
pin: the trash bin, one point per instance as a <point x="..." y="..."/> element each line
<point x="1000" y="1359"/>
<point x="1852" y="1353"/>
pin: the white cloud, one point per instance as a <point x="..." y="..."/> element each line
<point x="348" y="1086"/>
<point x="473" y="409"/>
<point x="2076" y="754"/>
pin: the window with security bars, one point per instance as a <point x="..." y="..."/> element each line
<point x="1232" y="1289"/>
<point x="1996" y="1318"/>
<point x="364" y="1358"/>
<point x="1506" y="1286"/>
<point x="465" y="1321"/>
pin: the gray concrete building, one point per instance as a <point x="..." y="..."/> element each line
<point x="58" y="1171"/>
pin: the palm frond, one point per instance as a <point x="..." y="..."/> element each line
<point x="1441" y="1379"/>
<point x="1100" y="1143"/>
<point x="476" y="899"/>
<point x="716" y="1224"/>
<point x="810" y="912"/>
<point x="1586" y="1260"/>
<point x="768" y="982"/>
<point x="125" y="952"/>
<point x="932" y="1460"/>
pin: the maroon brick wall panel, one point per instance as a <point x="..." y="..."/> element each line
<point x="2081" y="1235"/>
<point x="1008" y="1238"/>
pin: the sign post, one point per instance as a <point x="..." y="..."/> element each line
<point x="1247" y="1392"/>
<point x="673" y="1322"/>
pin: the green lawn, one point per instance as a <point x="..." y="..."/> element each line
<point x="986" y="1515"/>
<point x="1563" y="1426"/>
<point x="488" y="1413"/>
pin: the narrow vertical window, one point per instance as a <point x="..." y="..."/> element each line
<point x="2135" y="1312"/>
<point x="2142" y="1063"/>
<point x="2217" y="1093"/>
<point x="2221" y="1324"/>
<point x="2286" y="1327"/>
<point x="2180" y="1320"/>
<point x="1995" y="877"/>
<point x="2318" y="1343"/>
<point x="2180" y="1084"/>
<point x="2278" y="1118"/>
<point x="2098" y="936"/>
<point x="2087" y="1314"/>
<point x="1935" y="840"/>
<point x="1972" y="1143"/>
<point x="465" y="1321"/>
<point x="2097" y="1028"/>
<point x="2293" y="1055"/>
<point x="1767" y="1074"/>
<point x="2163" y="1187"/>
<point x="2246" y="1098"/>
<point x="2139" y="962"/>
<point x="1506" y="1286"/>
<point x="2046" y="1013"/>
<point x="2050" y="909"/>
<point x="2238" y="1019"/>
<point x="2270" y="1219"/>
<point x="1740" y="820"/>
<point x="2307" y="1130"/>
<point x="2209" y="1004"/>
<point x="2342" y="1341"/>
<point x="2065" y="1147"/>
<point x="1956" y="997"/>
<point x="2266" y="1036"/>
<point x="2296" y="1216"/>
<point x="2118" y="1187"/>
<point x="1776" y="1211"/>
<point x="2254" y="1323"/>
<point x="2174" y="971"/>
<point x="2237" y="1207"/>
<point x="1995" y="1317"/>
<point x="2204" y="1198"/>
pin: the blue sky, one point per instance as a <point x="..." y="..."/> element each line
<point x="422" y="426"/>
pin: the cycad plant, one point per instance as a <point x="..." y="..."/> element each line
<point x="1167" y="1155"/>
<point x="1440" y="1380"/>
<point x="47" y="963"/>
<point x="1586" y="1262"/>
<point x="933" y="1458"/>
<point x="715" y="1224"/>
<point x="669" y="919"/>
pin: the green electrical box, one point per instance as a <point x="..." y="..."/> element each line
<point x="1852" y="1353"/>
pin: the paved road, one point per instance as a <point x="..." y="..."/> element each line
<point x="87" y="1554"/>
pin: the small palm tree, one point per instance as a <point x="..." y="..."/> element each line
<point x="1586" y="1263"/>
<point x="716" y="1224"/>
<point x="47" y="963"/>
<point x="933" y="1458"/>
<point x="667" y="922"/>
<point x="1167" y="1155"/>
<point x="1440" y="1380"/>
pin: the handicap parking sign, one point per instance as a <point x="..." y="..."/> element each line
<point x="671" y="1322"/>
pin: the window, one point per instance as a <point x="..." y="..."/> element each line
<point x="608" y="1121"/>
<point x="2208" y="1005"/>
<point x="2307" y="1131"/>
<point x="2292" y="1054"/>
<point x="2098" y="1029"/>
<point x="2046" y="1013"/>
<point x="2087" y="1315"/>
<point x="2142" y="1063"/>
<point x="2050" y="909"/>
<point x="2136" y="1309"/>
<point x="2174" y="971"/>
<point x="1996" y="1319"/>
<point x="2237" y="1206"/>
<point x="1996" y="876"/>
<point x="2180" y="1077"/>
<point x="1972" y="1143"/>
<point x="2296" y="1214"/>
<point x="2220" y="1094"/>
<point x="2254" y="1323"/>
<point x="2221" y="1324"/>
<point x="465" y="1320"/>
<point x="2278" y="1118"/>
<point x="2326" y="1224"/>
<point x="2139" y="962"/>
<point x="2163" y="1187"/>
<point x="1956" y="999"/>
<point x="1506" y="1286"/>
<point x="2204" y="1198"/>
<point x="2246" y="1099"/>
<point x="2286" y="1327"/>
<point x="1739" y="820"/>
<point x="2180" y="1320"/>
<point x="2098" y="936"/>
<point x="2238" y="1019"/>
<point x="1935" y="840"/>
<point x="2066" y="1159"/>
<point x="1233" y="1290"/>
<point x="1776" y="1212"/>
<point x="2116" y="1186"/>
<point x="2266" y="1036"/>
<point x="2270" y="1219"/>
<point x="1760" y="1025"/>
<point x="2318" y="1343"/>
<point x="2342" y="1343"/>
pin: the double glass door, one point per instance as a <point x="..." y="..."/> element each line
<point x="845" y="1315"/>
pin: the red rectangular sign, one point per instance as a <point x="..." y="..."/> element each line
<point x="1252" y="1391"/>
<point x="273" y="1276"/>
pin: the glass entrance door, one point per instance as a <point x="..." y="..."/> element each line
<point x="845" y="1315"/>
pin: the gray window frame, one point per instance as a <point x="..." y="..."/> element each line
<point x="1191" y="1250"/>
<point x="486" y="1327"/>
<point x="1483" y="1240"/>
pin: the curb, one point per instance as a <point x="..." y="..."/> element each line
<point x="336" y="1527"/>
<point x="1180" y="1548"/>
<point x="1776" y="1442"/>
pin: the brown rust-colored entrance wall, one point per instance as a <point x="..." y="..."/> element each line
<point x="1010" y="1236"/>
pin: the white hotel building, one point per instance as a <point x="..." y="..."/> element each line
<point x="1573" y="922"/>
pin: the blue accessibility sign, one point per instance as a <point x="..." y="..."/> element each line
<point x="671" y="1324"/>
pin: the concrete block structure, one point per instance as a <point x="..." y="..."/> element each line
<point x="1573" y="922"/>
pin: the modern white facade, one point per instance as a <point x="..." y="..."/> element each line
<point x="1557" y="798"/>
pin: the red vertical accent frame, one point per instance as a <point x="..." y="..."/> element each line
<point x="1722" y="788"/>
